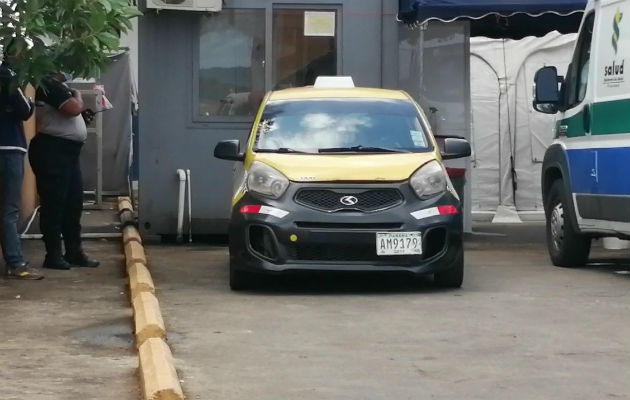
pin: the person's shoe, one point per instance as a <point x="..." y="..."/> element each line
<point x="82" y="260"/>
<point x="56" y="263"/>
<point x="23" y="271"/>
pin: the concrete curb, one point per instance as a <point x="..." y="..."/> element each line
<point x="148" y="318"/>
<point x="140" y="280"/>
<point x="131" y="234"/>
<point x="124" y="203"/>
<point x="158" y="375"/>
<point x="134" y="253"/>
<point x="157" y="368"/>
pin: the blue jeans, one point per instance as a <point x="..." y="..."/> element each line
<point x="11" y="176"/>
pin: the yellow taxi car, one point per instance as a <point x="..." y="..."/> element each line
<point x="341" y="178"/>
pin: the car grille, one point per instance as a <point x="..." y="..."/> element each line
<point x="367" y="201"/>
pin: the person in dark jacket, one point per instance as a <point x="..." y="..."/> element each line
<point x="14" y="109"/>
<point x="54" y="155"/>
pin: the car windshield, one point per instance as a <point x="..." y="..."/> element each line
<point x="340" y="126"/>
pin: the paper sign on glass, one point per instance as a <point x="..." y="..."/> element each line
<point x="319" y="23"/>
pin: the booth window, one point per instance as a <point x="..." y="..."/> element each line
<point x="304" y="46"/>
<point x="231" y="78"/>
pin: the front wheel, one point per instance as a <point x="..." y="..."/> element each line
<point x="452" y="277"/>
<point x="567" y="247"/>
<point x="239" y="279"/>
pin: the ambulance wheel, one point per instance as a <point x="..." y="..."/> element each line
<point x="567" y="247"/>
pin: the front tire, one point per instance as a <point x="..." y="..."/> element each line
<point x="567" y="247"/>
<point x="452" y="277"/>
<point x="239" y="280"/>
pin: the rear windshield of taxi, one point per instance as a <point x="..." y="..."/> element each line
<point x="341" y="126"/>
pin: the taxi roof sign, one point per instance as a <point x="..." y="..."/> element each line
<point x="334" y="82"/>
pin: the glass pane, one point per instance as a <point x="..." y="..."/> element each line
<point x="231" y="62"/>
<point x="300" y="56"/>
<point x="431" y="69"/>
<point x="585" y="56"/>
<point x="341" y="125"/>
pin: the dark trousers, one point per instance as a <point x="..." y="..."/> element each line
<point x="55" y="162"/>
<point x="11" y="175"/>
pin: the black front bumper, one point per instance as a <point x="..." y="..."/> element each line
<point x="310" y="239"/>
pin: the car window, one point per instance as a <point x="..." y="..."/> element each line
<point x="319" y="124"/>
<point x="577" y="76"/>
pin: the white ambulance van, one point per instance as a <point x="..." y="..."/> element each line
<point x="586" y="171"/>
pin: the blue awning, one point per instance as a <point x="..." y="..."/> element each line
<point x="498" y="18"/>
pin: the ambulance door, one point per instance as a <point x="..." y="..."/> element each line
<point x="574" y="128"/>
<point x="609" y="200"/>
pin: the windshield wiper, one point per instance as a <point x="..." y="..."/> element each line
<point x="281" y="150"/>
<point x="361" y="149"/>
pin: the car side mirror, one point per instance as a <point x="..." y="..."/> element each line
<point x="546" y="91"/>
<point x="455" y="148"/>
<point x="229" y="150"/>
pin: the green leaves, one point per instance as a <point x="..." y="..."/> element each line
<point x="74" y="36"/>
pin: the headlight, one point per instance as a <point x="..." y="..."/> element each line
<point x="267" y="181"/>
<point x="429" y="180"/>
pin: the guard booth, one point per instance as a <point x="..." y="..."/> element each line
<point x="203" y="74"/>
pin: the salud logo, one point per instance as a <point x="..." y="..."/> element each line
<point x="615" y="36"/>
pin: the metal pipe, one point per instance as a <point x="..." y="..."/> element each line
<point x="189" y="206"/>
<point x="30" y="221"/>
<point x="180" y="204"/>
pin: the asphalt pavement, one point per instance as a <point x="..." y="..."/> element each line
<point x="519" y="328"/>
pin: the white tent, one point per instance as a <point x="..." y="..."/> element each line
<point x="508" y="137"/>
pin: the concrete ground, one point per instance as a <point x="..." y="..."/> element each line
<point x="519" y="328"/>
<point x="68" y="336"/>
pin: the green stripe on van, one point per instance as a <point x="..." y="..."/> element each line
<point x="607" y="118"/>
<point x="610" y="117"/>
<point x="575" y="125"/>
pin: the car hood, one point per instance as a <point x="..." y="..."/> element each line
<point x="346" y="167"/>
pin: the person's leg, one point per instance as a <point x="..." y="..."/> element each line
<point x="11" y="176"/>
<point x="52" y="176"/>
<point x="12" y="173"/>
<point x="71" y="228"/>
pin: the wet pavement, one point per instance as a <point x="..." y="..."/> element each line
<point x="68" y="336"/>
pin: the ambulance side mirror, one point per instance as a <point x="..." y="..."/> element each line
<point x="546" y="90"/>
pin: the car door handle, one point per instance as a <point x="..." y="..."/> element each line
<point x="587" y="119"/>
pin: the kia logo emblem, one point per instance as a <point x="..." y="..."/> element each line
<point x="348" y="200"/>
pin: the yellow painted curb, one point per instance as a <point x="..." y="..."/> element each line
<point x="140" y="280"/>
<point x="130" y="233"/>
<point x="148" y="318"/>
<point x="127" y="218"/>
<point x="157" y="371"/>
<point x="134" y="253"/>
<point x="124" y="203"/>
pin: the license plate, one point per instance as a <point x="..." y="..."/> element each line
<point x="398" y="243"/>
